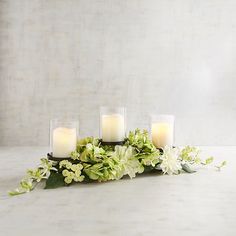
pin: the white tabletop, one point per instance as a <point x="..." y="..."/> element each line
<point x="203" y="203"/>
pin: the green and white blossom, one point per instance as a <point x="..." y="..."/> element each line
<point x="34" y="176"/>
<point x="170" y="162"/>
<point x="128" y="162"/>
<point x="71" y="172"/>
<point x="190" y="155"/>
<point x="92" y="161"/>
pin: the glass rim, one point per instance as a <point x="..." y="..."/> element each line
<point x="64" y="121"/>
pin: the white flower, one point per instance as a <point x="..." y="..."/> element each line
<point x="128" y="162"/>
<point x="170" y="163"/>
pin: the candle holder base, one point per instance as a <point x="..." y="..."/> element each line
<point x="112" y="143"/>
<point x="52" y="158"/>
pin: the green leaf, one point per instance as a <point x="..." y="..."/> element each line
<point x="209" y="160"/>
<point x="148" y="169"/>
<point x="221" y="165"/>
<point x="55" y="180"/>
<point x="16" y="192"/>
<point x="187" y="168"/>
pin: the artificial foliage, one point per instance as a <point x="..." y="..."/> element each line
<point x="92" y="161"/>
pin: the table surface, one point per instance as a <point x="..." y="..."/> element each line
<point x="203" y="203"/>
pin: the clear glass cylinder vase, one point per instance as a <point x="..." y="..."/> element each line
<point x="162" y="130"/>
<point x="63" y="137"/>
<point x="112" y="124"/>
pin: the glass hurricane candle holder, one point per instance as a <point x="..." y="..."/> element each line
<point x="162" y="130"/>
<point x="112" y="125"/>
<point x="63" y="137"/>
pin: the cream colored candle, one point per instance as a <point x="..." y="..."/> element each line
<point x="113" y="128"/>
<point x="64" y="141"/>
<point x="162" y="134"/>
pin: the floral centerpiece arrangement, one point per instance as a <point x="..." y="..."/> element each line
<point x="94" y="161"/>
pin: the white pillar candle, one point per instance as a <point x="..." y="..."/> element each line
<point x="162" y="134"/>
<point x="64" y="141"/>
<point x="113" y="128"/>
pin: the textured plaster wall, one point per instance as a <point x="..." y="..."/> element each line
<point x="162" y="56"/>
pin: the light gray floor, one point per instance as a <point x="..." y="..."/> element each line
<point x="203" y="203"/>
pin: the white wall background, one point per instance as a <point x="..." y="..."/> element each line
<point x="153" y="56"/>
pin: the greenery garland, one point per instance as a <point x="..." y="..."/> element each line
<point x="93" y="161"/>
